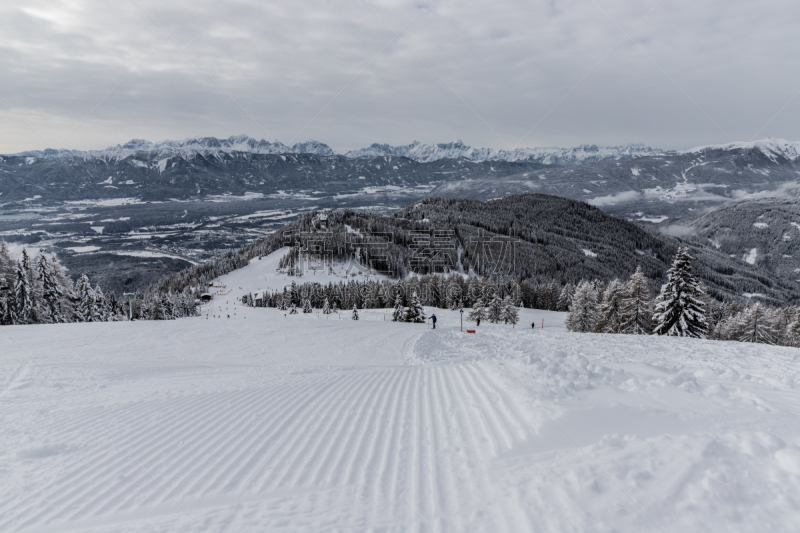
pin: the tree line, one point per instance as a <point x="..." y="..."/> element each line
<point x="38" y="291"/>
<point x="681" y="308"/>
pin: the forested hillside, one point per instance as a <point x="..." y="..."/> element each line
<point x="764" y="232"/>
<point x="532" y="237"/>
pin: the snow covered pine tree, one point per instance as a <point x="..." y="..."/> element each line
<point x="415" y="312"/>
<point x="355" y="312"/>
<point x="565" y="298"/>
<point x="609" y="318"/>
<point x="307" y="306"/>
<point x="85" y="295"/>
<point x="399" y="313"/>
<point x="637" y="307"/>
<point x="680" y="310"/>
<point x="52" y="292"/>
<point x="478" y="311"/>
<point x="756" y="325"/>
<point x="583" y="315"/>
<point x="22" y="312"/>
<point x="793" y="331"/>
<point x="326" y="307"/>
<point x="510" y="311"/>
<point x="495" y="311"/>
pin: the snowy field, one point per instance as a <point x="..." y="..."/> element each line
<point x="311" y="423"/>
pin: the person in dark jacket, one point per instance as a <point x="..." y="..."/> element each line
<point x="433" y="319"/>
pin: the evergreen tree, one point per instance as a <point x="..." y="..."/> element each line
<point x="52" y="292"/>
<point x="293" y="311"/>
<point x="67" y="301"/>
<point x="34" y="290"/>
<point x="26" y="264"/>
<point x="85" y="294"/>
<point x="415" y="312"/>
<point x="307" y="306"/>
<point x="8" y="269"/>
<point x="637" y="306"/>
<point x="755" y="325"/>
<point x="495" y="310"/>
<point x="453" y="293"/>
<point x="510" y="313"/>
<point x="167" y="307"/>
<point x="583" y="313"/>
<point x="101" y="311"/>
<point x="6" y="305"/>
<point x="680" y="310"/>
<point x="326" y="307"/>
<point x="609" y="319"/>
<point x="399" y="313"/>
<point x="565" y="298"/>
<point x="7" y="279"/>
<point x="478" y="311"/>
<point x="792" y="334"/>
<point x="355" y="313"/>
<point x="22" y="312"/>
<point x="145" y="310"/>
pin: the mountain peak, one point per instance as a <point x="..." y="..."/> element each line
<point x="772" y="148"/>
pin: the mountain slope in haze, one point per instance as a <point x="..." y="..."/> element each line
<point x="763" y="232"/>
<point x="668" y="187"/>
<point x="546" y="156"/>
<point x="666" y="190"/>
<point x="151" y="176"/>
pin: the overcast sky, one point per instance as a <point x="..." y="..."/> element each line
<point x="502" y="74"/>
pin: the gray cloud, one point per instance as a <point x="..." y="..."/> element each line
<point x="690" y="72"/>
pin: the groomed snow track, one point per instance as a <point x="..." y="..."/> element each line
<point x="314" y="423"/>
<point x="290" y="447"/>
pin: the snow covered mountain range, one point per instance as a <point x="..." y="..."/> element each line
<point x="188" y="148"/>
<point x="417" y="151"/>
<point x="546" y="156"/>
<point x="422" y="153"/>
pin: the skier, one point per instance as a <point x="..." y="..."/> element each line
<point x="478" y="321"/>
<point x="433" y="319"/>
<point x="533" y="325"/>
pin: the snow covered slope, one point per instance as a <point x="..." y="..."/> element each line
<point x="264" y="275"/>
<point x="263" y="422"/>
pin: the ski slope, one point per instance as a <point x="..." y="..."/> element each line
<point x="264" y="275"/>
<point x="265" y="422"/>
